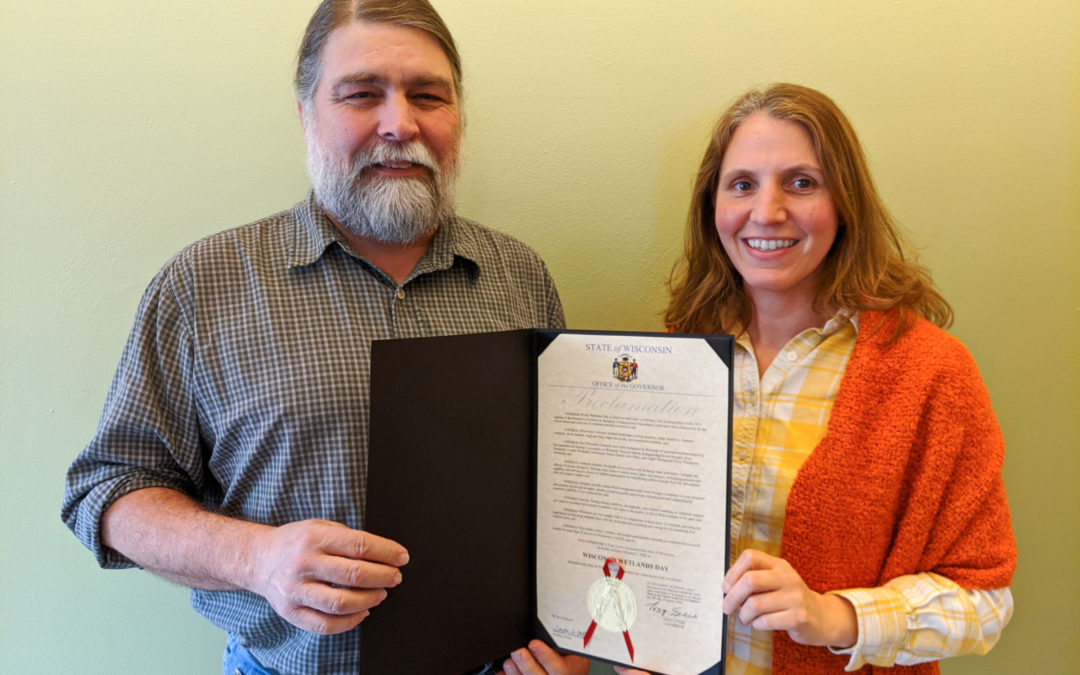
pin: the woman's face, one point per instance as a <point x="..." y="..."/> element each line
<point x="774" y="213"/>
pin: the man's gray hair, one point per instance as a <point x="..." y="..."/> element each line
<point x="332" y="14"/>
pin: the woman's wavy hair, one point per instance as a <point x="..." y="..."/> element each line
<point x="866" y="268"/>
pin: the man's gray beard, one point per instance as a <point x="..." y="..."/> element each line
<point x="383" y="208"/>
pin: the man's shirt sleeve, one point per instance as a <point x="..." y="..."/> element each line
<point x="556" y="319"/>
<point x="148" y="434"/>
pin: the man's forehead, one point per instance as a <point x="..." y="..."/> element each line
<point x="367" y="47"/>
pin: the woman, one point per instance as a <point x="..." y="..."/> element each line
<point x="869" y="520"/>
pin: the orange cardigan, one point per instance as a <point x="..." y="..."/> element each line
<point x="906" y="480"/>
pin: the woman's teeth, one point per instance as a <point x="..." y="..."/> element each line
<point x="770" y="244"/>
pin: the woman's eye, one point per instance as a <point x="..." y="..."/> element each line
<point x="741" y="185"/>
<point x="802" y="183"/>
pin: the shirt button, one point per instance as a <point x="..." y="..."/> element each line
<point x="401" y="294"/>
<point x="791" y="356"/>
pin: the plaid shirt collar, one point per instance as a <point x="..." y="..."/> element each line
<point x="453" y="241"/>
<point x="838" y="321"/>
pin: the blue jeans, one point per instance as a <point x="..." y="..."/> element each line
<point x="237" y="660"/>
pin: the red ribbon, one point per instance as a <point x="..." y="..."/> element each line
<point x="592" y="626"/>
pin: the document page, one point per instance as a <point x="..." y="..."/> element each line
<point x="632" y="492"/>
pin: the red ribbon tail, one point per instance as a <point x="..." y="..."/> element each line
<point x="588" y="633"/>
<point x="629" y="645"/>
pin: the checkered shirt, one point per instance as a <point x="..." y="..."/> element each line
<point x="244" y="383"/>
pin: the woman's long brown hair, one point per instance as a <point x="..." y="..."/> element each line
<point x="866" y="268"/>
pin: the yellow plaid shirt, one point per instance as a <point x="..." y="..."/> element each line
<point x="778" y="419"/>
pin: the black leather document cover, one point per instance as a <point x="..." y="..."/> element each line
<point x="451" y="476"/>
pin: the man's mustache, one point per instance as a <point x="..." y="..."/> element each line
<point x="398" y="155"/>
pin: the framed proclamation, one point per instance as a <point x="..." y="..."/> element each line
<point x="570" y="486"/>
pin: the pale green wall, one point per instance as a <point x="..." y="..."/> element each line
<point x="128" y="129"/>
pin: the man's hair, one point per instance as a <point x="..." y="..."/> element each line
<point x="332" y="14"/>
<point x="866" y="267"/>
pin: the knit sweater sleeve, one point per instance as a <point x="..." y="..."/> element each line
<point x="955" y="521"/>
<point x="907" y="479"/>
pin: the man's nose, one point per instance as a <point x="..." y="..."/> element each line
<point x="397" y="120"/>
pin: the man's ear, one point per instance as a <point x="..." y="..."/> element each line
<point x="303" y="119"/>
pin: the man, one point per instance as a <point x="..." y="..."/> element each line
<point x="231" y="455"/>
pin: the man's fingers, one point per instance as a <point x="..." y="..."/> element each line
<point x="361" y="545"/>
<point x="322" y="576"/>
<point x="355" y="573"/>
<point x="540" y="659"/>
<point x="548" y="657"/>
<point x="325" y="610"/>
<point x="320" y="623"/>
<point x="555" y="663"/>
<point x="509" y="668"/>
<point x="526" y="662"/>
<point x="336" y="601"/>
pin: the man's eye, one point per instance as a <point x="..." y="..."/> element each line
<point x="360" y="96"/>
<point x="428" y="99"/>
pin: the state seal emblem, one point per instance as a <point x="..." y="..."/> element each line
<point x="624" y="368"/>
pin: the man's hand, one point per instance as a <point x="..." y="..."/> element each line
<point x="539" y="659"/>
<point x="766" y="593"/>
<point x="321" y="576"/>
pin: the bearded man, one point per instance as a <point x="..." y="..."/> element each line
<point x="231" y="455"/>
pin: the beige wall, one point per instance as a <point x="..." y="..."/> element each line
<point x="128" y="129"/>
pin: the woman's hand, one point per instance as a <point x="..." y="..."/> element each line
<point x="539" y="659"/>
<point x="766" y="593"/>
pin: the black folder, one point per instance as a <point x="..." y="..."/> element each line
<point x="451" y="476"/>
